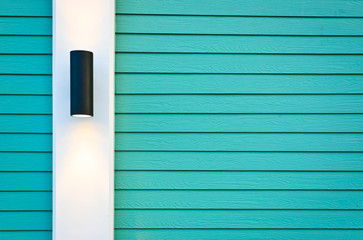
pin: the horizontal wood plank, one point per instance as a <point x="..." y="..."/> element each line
<point x="239" y="141"/>
<point x="26" y="8"/>
<point x="237" y="180"/>
<point x="248" y="7"/>
<point x="236" y="234"/>
<point x="26" y="26"/>
<point x="238" y="25"/>
<point x="25" y="123"/>
<point x="22" y="104"/>
<point x="25" y="221"/>
<point x="230" y="122"/>
<point x="25" y="142"/>
<point x="25" y="84"/>
<point x="227" y="63"/>
<point x="237" y="84"/>
<point x="25" y="44"/>
<point x="300" y="161"/>
<point x="25" y="181"/>
<point x="25" y="161"/>
<point x="25" y="201"/>
<point x="238" y="104"/>
<point x="26" y="235"/>
<point x="26" y="64"/>
<point x="237" y="44"/>
<point x="238" y="219"/>
<point x="224" y="199"/>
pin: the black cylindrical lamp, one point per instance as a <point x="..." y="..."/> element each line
<point x="81" y="83"/>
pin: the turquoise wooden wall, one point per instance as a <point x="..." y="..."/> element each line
<point x="25" y="119"/>
<point x="239" y="119"/>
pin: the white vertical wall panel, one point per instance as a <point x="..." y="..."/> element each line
<point x="83" y="148"/>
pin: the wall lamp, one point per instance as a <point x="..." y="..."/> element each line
<point x="81" y="83"/>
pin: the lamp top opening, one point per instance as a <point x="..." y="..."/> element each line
<point x="82" y="115"/>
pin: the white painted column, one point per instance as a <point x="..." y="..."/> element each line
<point x="83" y="148"/>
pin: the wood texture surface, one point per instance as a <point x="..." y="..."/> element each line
<point x="225" y="199"/>
<point x="25" y="120"/>
<point x="26" y="64"/>
<point x="25" y="123"/>
<point x="234" y="63"/>
<point x="250" y="219"/>
<point x="239" y="119"/>
<point x="240" y="8"/>
<point x="238" y="180"/>
<point x="16" y="221"/>
<point x="25" y="181"/>
<point x="26" y="8"/>
<point x="25" y="104"/>
<point x="237" y="84"/>
<point x="26" y="235"/>
<point x="25" y="84"/>
<point x="26" y="201"/>
<point x="26" y="161"/>
<point x="288" y="161"/>
<point x="33" y="26"/>
<point x="238" y="25"/>
<point x="237" y="44"/>
<point x="238" y="104"/>
<point x="234" y="122"/>
<point x="25" y="44"/>
<point x="237" y="234"/>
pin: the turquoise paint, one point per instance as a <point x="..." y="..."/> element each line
<point x="226" y="199"/>
<point x="36" y="8"/>
<point x="26" y="44"/>
<point x="26" y="84"/>
<point x="26" y="235"/>
<point x="235" y="234"/>
<point x="317" y="8"/>
<point x="238" y="121"/>
<point x="25" y="120"/>
<point x="234" y="44"/>
<point x="249" y="103"/>
<point x="134" y="83"/>
<point x="238" y="25"/>
<point x="300" y="161"/>
<point x="238" y="63"/>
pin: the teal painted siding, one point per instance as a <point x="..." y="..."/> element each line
<point x="239" y="119"/>
<point x="25" y="119"/>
